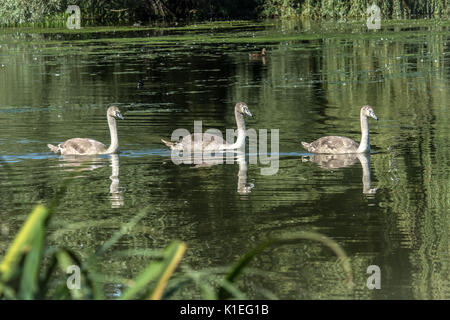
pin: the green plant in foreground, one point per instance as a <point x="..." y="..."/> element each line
<point x="25" y="275"/>
<point x="20" y="269"/>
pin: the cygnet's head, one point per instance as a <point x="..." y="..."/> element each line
<point x="368" y="112"/>
<point x="115" y="112"/>
<point x="242" y="108"/>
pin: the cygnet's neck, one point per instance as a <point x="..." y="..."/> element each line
<point x="114" y="146"/>
<point x="241" y="133"/>
<point x="364" y="145"/>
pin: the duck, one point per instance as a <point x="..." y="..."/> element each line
<point x="86" y="146"/>
<point x="342" y="145"/>
<point x="258" y="55"/>
<point x="211" y="142"/>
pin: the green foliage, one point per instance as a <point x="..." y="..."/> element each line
<point x="157" y="272"/>
<point x="52" y="13"/>
<point x="95" y="12"/>
<point x="24" y="274"/>
<point x="21" y="276"/>
<point x="237" y="269"/>
<point x="14" y="12"/>
<point x="342" y="9"/>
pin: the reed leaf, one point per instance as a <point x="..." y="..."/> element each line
<point x="158" y="272"/>
<point x="23" y="242"/>
<point x="29" y="281"/>
<point x="174" y="257"/>
<point x="241" y="264"/>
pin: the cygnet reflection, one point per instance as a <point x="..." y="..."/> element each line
<point x="84" y="164"/>
<point x="116" y="195"/>
<point x="337" y="161"/>
<point x="221" y="158"/>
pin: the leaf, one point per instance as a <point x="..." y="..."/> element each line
<point x="23" y="241"/>
<point x="67" y="258"/>
<point x="45" y="279"/>
<point x="158" y="271"/>
<point x="174" y="257"/>
<point x="239" y="266"/>
<point x="237" y="269"/>
<point x="175" y="287"/>
<point x="63" y="258"/>
<point x="29" y="280"/>
<point x="117" y="235"/>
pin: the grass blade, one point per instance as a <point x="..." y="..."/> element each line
<point x="159" y="271"/>
<point x="174" y="257"/>
<point x="22" y="242"/>
<point x="242" y="263"/>
<point x="29" y="280"/>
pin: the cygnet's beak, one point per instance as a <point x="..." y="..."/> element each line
<point x="247" y="112"/>
<point x="119" y="115"/>
<point x="372" y="114"/>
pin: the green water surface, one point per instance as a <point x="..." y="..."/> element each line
<point x="389" y="209"/>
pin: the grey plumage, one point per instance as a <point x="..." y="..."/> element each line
<point x="342" y="145"/>
<point x="86" y="146"/>
<point x="211" y="142"/>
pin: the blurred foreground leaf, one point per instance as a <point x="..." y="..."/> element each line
<point x="239" y="267"/>
<point x="156" y="275"/>
<point x="26" y="249"/>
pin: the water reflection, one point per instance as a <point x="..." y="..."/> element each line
<point x="242" y="187"/>
<point x="116" y="195"/>
<point x="258" y="56"/>
<point x="72" y="163"/>
<point x="89" y="163"/>
<point x="239" y="157"/>
<point x="338" y="161"/>
<point x="261" y="58"/>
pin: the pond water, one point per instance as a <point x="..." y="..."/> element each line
<point x="388" y="209"/>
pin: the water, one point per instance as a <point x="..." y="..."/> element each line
<point x="390" y="209"/>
